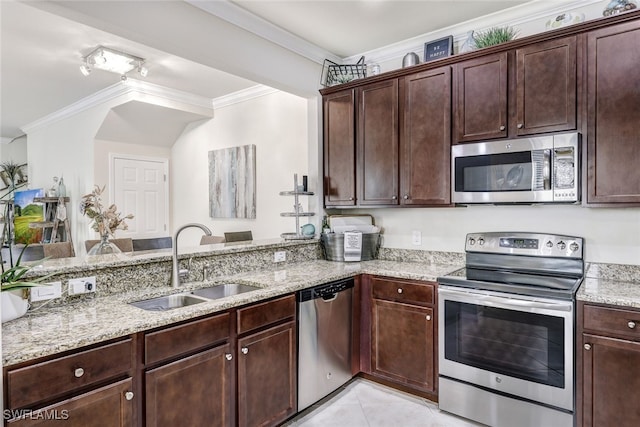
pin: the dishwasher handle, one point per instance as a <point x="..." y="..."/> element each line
<point x="328" y="291"/>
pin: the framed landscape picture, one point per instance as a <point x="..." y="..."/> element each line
<point x="26" y="212"/>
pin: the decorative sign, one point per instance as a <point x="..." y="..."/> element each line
<point x="438" y="49"/>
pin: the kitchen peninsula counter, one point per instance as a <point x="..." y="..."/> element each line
<point x="49" y="330"/>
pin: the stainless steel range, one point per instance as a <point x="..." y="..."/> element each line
<point x="506" y="330"/>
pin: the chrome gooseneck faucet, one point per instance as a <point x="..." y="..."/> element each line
<point x="176" y="273"/>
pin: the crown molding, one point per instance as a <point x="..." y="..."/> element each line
<point x="243" y="95"/>
<point x="125" y="87"/>
<point x="5" y="140"/>
<point x="246" y="20"/>
<point x="514" y="16"/>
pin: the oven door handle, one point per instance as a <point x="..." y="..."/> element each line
<point x="505" y="302"/>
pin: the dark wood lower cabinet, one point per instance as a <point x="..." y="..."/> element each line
<point x="611" y="380"/>
<point x="109" y="406"/>
<point x="267" y="372"/>
<point x="193" y="391"/>
<point x="402" y="343"/>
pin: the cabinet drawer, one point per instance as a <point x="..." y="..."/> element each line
<point x="48" y="380"/>
<point x="265" y="313"/>
<point x="403" y="291"/>
<point x="185" y="338"/>
<point x="612" y="320"/>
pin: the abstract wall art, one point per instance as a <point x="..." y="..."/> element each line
<point x="232" y="182"/>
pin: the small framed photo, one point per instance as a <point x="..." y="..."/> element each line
<point x="437" y="49"/>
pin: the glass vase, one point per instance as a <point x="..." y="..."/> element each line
<point x="104" y="247"/>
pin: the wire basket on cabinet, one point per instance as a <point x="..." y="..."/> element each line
<point x="335" y="74"/>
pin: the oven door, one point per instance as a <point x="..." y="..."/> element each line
<point x="512" y="344"/>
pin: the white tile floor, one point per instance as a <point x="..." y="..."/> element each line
<point x="363" y="403"/>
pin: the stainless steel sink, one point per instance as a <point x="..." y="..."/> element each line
<point x="224" y="290"/>
<point x="168" y="302"/>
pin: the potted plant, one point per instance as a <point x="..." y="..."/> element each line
<point x="14" y="290"/>
<point x="105" y="222"/>
<point x="494" y="36"/>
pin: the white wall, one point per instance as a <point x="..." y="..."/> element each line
<point x="277" y="124"/>
<point x="15" y="151"/>
<point x="611" y="235"/>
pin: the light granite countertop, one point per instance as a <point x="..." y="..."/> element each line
<point x="50" y="330"/>
<point x="611" y="284"/>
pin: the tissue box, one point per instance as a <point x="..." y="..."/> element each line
<point x="333" y="246"/>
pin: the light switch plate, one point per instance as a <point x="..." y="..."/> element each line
<point x="416" y="237"/>
<point x="49" y="291"/>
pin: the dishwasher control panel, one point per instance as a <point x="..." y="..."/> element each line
<point x="326" y="290"/>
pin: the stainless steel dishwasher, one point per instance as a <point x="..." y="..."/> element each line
<point x="324" y="340"/>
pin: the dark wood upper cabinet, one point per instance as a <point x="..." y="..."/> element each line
<point x="339" y="149"/>
<point x="546" y="87"/>
<point x="425" y="138"/>
<point x="544" y="90"/>
<point x="377" y="171"/>
<point x="480" y="94"/>
<point x="613" y="114"/>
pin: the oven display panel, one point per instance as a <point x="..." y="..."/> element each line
<point x="511" y="242"/>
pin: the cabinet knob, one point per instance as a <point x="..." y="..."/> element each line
<point x="587" y="347"/>
<point x="128" y="395"/>
<point x="394" y="197"/>
<point x="520" y="125"/>
<point x="631" y="325"/>
<point x="406" y="197"/>
<point x="502" y="128"/>
<point x="351" y="198"/>
<point x="78" y="372"/>
<point x="229" y="356"/>
<point x="399" y="290"/>
<point x="428" y="317"/>
<point x="244" y="350"/>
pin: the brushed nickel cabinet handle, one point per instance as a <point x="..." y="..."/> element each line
<point x="78" y="372"/>
<point x="520" y="125"/>
<point x="399" y="290"/>
<point x="631" y="325"/>
<point x="428" y="317"/>
<point x="244" y="350"/>
<point x="406" y="197"/>
<point x="502" y="128"/>
<point x="394" y="198"/>
<point x="587" y="347"/>
<point x="228" y="356"/>
<point x="128" y="395"/>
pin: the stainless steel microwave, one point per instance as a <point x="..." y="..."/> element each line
<point x="542" y="169"/>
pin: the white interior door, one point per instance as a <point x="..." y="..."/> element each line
<point x="140" y="186"/>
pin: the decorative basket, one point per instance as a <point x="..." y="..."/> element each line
<point x="333" y="246"/>
<point x="335" y="74"/>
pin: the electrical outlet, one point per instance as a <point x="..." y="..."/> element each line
<point x="279" y="256"/>
<point x="49" y="291"/>
<point x="82" y="285"/>
<point x="416" y="237"/>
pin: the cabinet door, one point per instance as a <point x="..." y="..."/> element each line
<point x="193" y="391"/>
<point x="378" y="143"/>
<point x="267" y="372"/>
<point x="402" y="343"/>
<point x="611" y="380"/>
<point x="613" y="114"/>
<point x="480" y="94"/>
<point x="546" y="87"/>
<point x="109" y="406"/>
<point x="339" y="149"/>
<point x="425" y="138"/>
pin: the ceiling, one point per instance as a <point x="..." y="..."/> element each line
<point x="41" y="51"/>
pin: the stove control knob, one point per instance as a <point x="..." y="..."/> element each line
<point x="562" y="245"/>
<point x="481" y="241"/>
<point x="472" y="241"/>
<point x="574" y="247"/>
<point x="549" y="244"/>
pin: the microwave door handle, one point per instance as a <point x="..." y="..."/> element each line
<point x="546" y="169"/>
